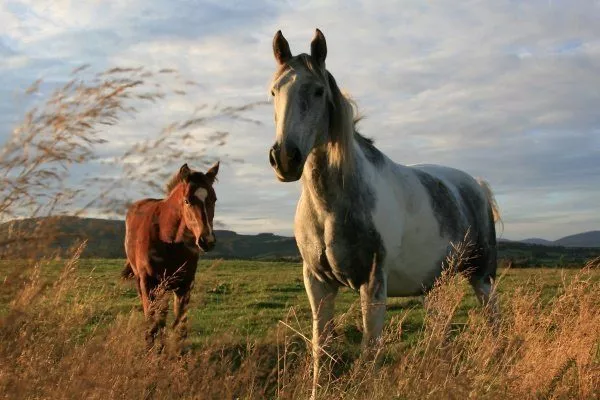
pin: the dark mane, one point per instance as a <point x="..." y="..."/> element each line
<point x="373" y="154"/>
<point x="357" y="135"/>
<point x="174" y="181"/>
<point x="363" y="140"/>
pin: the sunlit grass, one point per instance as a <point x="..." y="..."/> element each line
<point x="247" y="323"/>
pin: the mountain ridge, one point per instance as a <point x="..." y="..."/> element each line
<point x="105" y="240"/>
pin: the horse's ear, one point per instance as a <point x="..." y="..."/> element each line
<point x="211" y="174"/>
<point x="318" y="48"/>
<point x="281" y="49"/>
<point x="185" y="172"/>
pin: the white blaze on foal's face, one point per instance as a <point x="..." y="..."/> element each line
<point x="201" y="194"/>
<point x="198" y="215"/>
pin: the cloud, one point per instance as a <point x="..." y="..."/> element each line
<point x="504" y="90"/>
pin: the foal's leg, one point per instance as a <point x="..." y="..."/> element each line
<point x="139" y="289"/>
<point x="181" y="298"/>
<point x="321" y="296"/>
<point x="144" y="291"/>
<point x="154" y="307"/>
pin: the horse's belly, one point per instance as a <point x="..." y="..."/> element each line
<point x="413" y="245"/>
<point x="414" y="269"/>
<point x="411" y="279"/>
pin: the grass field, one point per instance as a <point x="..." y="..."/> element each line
<point x="245" y="299"/>
<point x="246" y="325"/>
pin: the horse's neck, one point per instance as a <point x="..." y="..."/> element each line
<point x="171" y="225"/>
<point x="327" y="184"/>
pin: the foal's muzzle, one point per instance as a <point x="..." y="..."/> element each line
<point x="287" y="165"/>
<point x="207" y="243"/>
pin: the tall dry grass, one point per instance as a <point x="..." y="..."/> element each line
<point x="58" y="340"/>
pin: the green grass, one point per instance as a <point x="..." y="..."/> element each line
<point x="242" y="300"/>
<point x="80" y="331"/>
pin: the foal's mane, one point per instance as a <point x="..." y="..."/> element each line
<point x="173" y="182"/>
<point x="343" y="114"/>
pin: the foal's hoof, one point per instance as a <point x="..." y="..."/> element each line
<point x="183" y="350"/>
<point x="155" y="347"/>
<point x="154" y="343"/>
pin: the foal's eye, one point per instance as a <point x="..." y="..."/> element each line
<point x="273" y="93"/>
<point x="319" y="92"/>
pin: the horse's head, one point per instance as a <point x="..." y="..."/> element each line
<point x="198" y="204"/>
<point x="302" y="100"/>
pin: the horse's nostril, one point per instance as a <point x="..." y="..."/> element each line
<point x="295" y="155"/>
<point x="272" y="158"/>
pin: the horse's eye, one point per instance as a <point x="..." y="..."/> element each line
<point x="273" y="93"/>
<point x="186" y="202"/>
<point x="319" y="92"/>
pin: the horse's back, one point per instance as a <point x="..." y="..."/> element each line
<point x="141" y="208"/>
<point x="139" y="213"/>
<point x="138" y="231"/>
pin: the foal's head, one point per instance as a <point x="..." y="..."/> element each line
<point x="310" y="110"/>
<point x="198" y="204"/>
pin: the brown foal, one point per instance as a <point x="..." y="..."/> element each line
<point x="163" y="241"/>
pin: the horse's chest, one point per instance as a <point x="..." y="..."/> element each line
<point x="341" y="248"/>
<point x="169" y="259"/>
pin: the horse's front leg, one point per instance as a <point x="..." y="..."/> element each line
<point x="486" y="294"/>
<point x="321" y="296"/>
<point x="373" y="296"/>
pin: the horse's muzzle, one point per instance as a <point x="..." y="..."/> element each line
<point x="288" y="166"/>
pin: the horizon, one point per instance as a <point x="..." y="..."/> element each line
<point x="290" y="234"/>
<point x="501" y="91"/>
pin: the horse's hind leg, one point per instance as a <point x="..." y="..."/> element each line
<point x="144" y="287"/>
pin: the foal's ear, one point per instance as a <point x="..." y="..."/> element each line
<point x="281" y="49"/>
<point x="185" y="172"/>
<point x="211" y="174"/>
<point x="318" y="48"/>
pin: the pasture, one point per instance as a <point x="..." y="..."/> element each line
<point x="75" y="327"/>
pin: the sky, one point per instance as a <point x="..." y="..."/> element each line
<point x="506" y="90"/>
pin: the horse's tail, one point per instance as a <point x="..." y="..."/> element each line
<point x="127" y="272"/>
<point x="492" y="201"/>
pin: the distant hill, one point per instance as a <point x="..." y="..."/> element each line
<point x="539" y="241"/>
<point x="105" y="240"/>
<point x="585" y="239"/>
